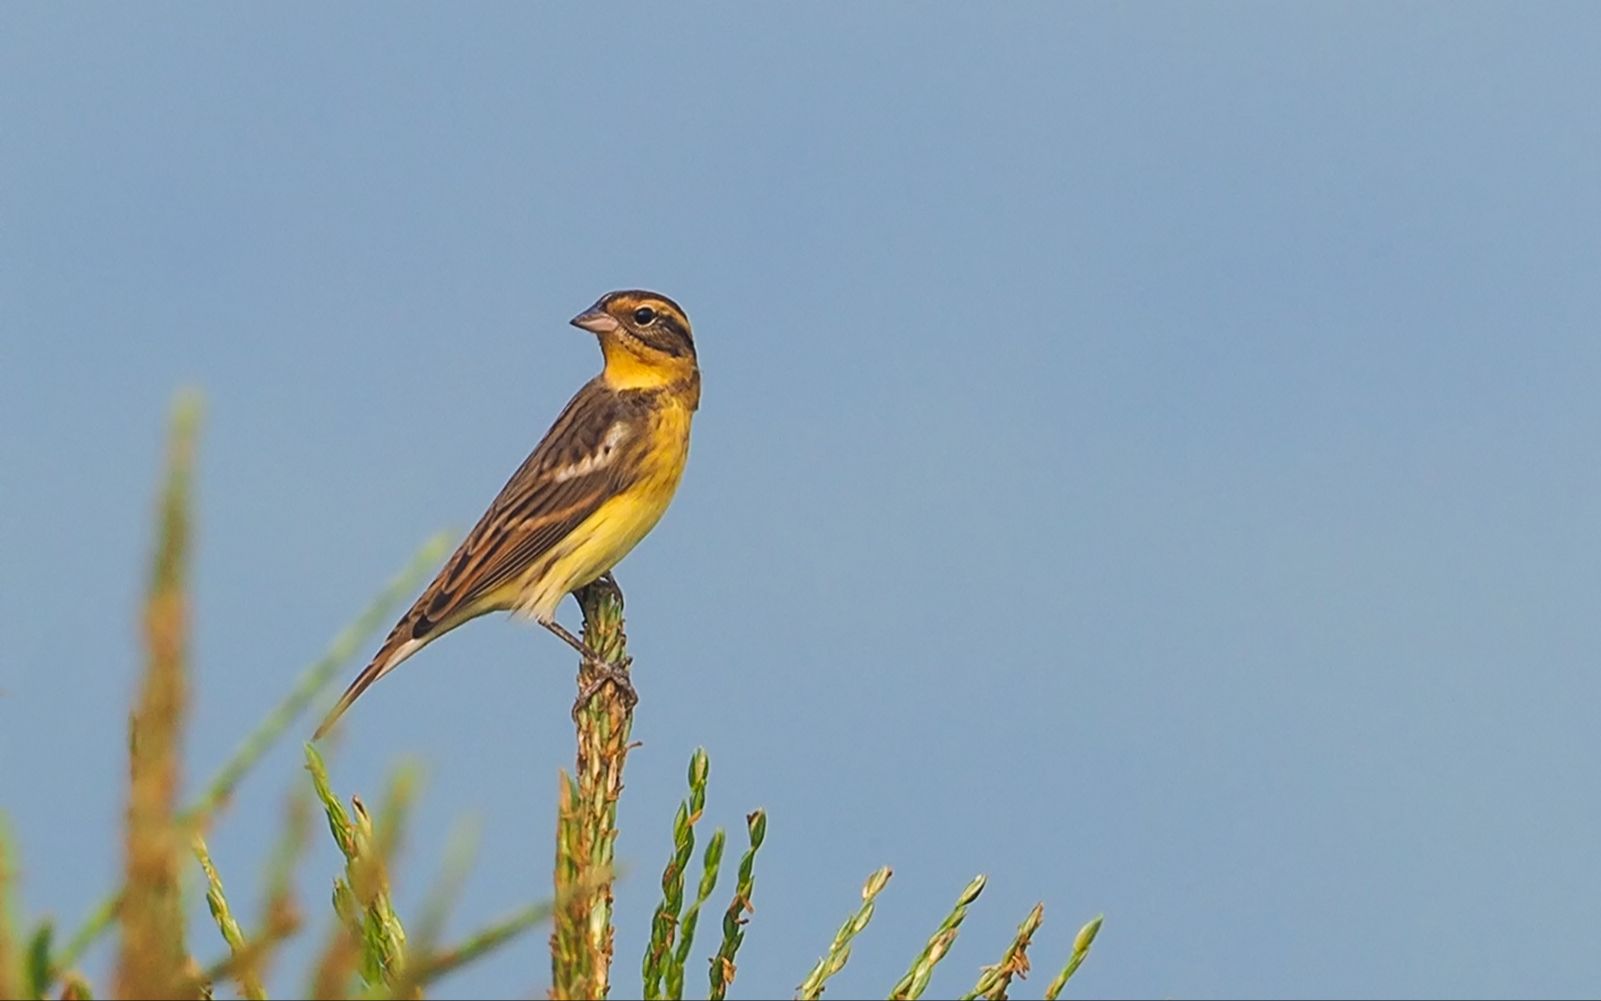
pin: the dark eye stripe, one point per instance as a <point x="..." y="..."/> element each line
<point x="669" y="336"/>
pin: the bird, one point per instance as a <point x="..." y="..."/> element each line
<point x="595" y="485"/>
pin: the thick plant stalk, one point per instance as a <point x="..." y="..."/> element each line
<point x="581" y="944"/>
<point x="153" y="959"/>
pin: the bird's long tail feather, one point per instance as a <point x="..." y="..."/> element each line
<point x="400" y="645"/>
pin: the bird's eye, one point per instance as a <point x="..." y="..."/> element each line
<point x="644" y="315"/>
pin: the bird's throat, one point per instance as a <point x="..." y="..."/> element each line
<point x="630" y="366"/>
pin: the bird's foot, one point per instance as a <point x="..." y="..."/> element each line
<point x="603" y="673"/>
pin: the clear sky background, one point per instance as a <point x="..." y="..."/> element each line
<point x="1151" y="454"/>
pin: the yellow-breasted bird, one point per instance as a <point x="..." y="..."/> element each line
<point x="594" y="485"/>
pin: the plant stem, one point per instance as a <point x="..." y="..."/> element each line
<point x="711" y="862"/>
<point x="153" y="957"/>
<point x="1081" y="948"/>
<point x="912" y="986"/>
<point x="217" y="901"/>
<point x="722" y="968"/>
<point x="658" y="963"/>
<point x="581" y="944"/>
<point x="840" y="951"/>
<point x="994" y="980"/>
<point x="10" y="953"/>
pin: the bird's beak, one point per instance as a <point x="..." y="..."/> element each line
<point x="596" y="321"/>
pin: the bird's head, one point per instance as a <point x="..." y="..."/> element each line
<point x="644" y="336"/>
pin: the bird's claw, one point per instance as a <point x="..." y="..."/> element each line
<point x="603" y="673"/>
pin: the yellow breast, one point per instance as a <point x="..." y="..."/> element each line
<point x="605" y="537"/>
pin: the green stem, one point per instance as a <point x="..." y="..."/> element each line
<point x="217" y="902"/>
<point x="994" y="980"/>
<point x="1081" y="948"/>
<point x="912" y="986"/>
<point x="722" y="969"/>
<point x="839" y="952"/>
<point x="658" y="961"/>
<point x="710" y="864"/>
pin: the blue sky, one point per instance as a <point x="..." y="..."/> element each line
<point x="1149" y="455"/>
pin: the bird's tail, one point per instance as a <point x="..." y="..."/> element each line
<point x="402" y="643"/>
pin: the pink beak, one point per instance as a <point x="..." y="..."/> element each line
<point x="596" y="321"/>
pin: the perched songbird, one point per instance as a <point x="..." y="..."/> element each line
<point x="598" y="481"/>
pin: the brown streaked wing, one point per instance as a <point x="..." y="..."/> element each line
<point x="534" y="511"/>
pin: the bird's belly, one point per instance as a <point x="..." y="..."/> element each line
<point x="605" y="537"/>
<point x="610" y="533"/>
